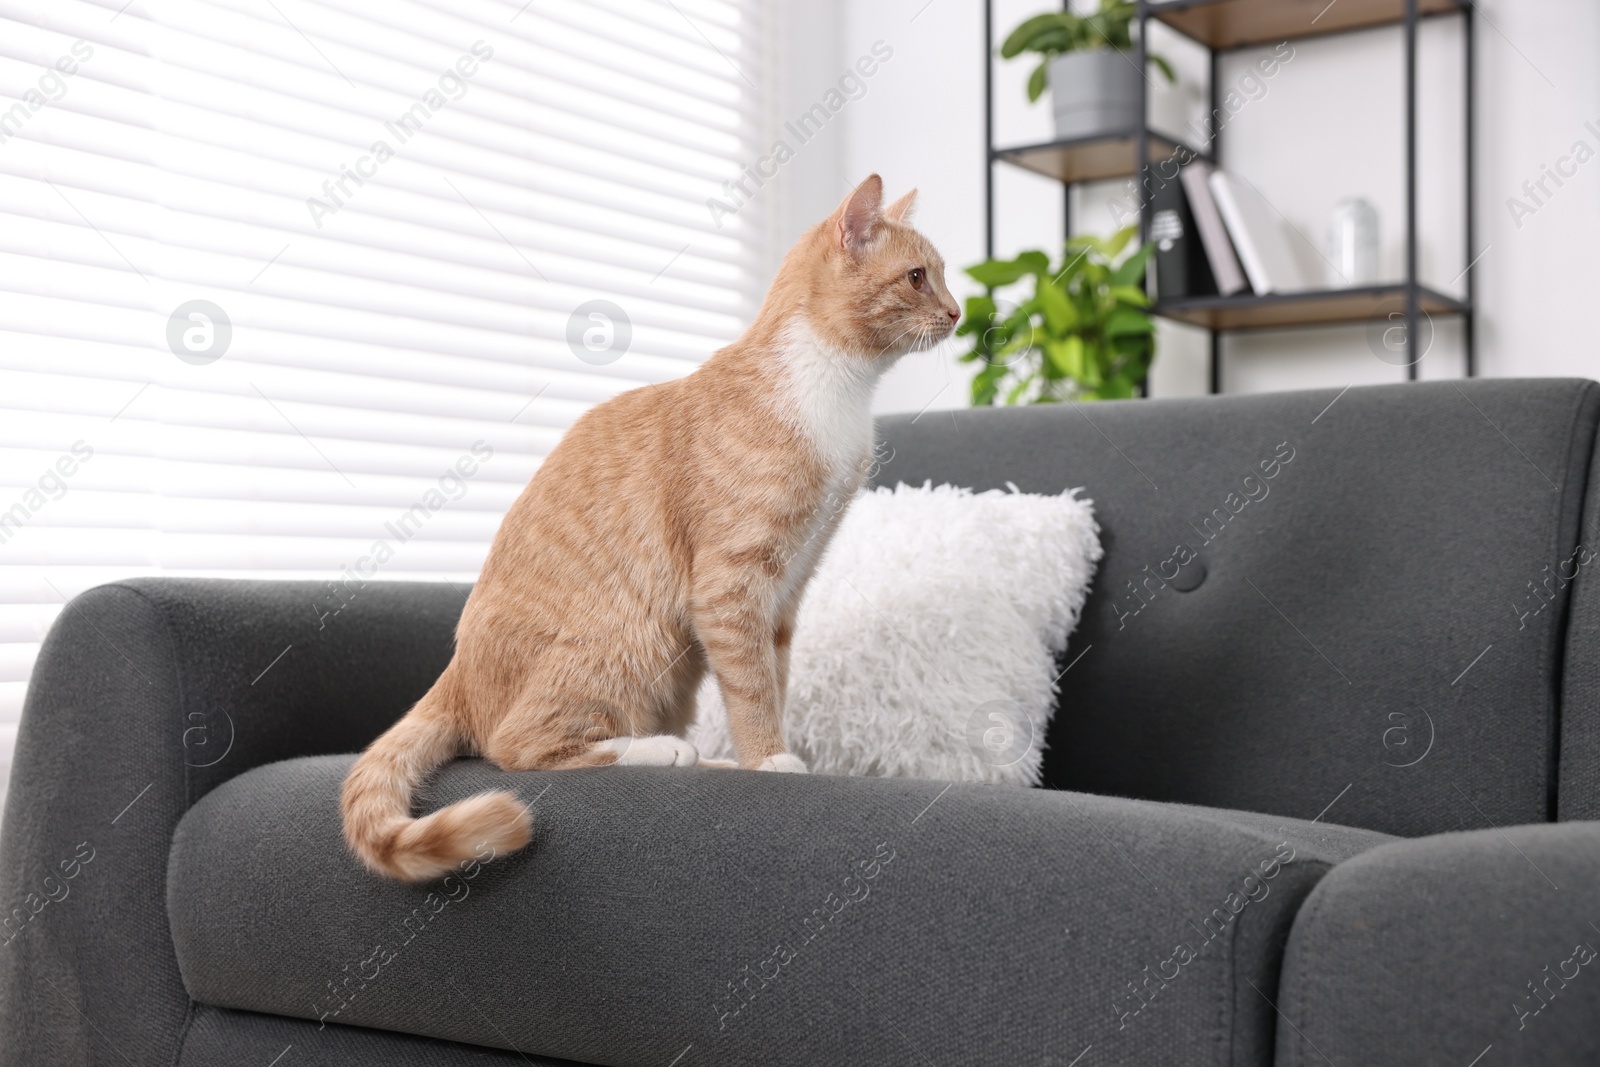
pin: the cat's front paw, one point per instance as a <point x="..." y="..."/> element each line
<point x="657" y="750"/>
<point x="784" y="762"/>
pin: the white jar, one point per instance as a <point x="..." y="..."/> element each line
<point x="1352" y="245"/>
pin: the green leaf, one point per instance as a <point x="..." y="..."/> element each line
<point x="1037" y="262"/>
<point x="1131" y="271"/>
<point x="1127" y="294"/>
<point x="1021" y="39"/>
<point x="1052" y="42"/>
<point x="1066" y="356"/>
<point x="1072" y="263"/>
<point x="1017" y="390"/>
<point x="1098" y="32"/>
<point x="1116" y="388"/>
<point x="987" y="383"/>
<point x="1020" y="341"/>
<point x="1085" y="245"/>
<point x="997" y="272"/>
<point x="1125" y="321"/>
<point x="1164" y="67"/>
<point x="1059" y="314"/>
<point x="1093" y="364"/>
<point x="1133" y="359"/>
<point x="1015" y="334"/>
<point x="1037" y="81"/>
<point x="1119" y="240"/>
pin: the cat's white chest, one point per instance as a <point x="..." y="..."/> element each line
<point x="827" y="396"/>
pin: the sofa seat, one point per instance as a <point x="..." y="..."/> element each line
<point x="1498" y="926"/>
<point x="729" y="917"/>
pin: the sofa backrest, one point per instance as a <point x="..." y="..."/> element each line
<point x="1351" y="604"/>
<point x="1578" y="574"/>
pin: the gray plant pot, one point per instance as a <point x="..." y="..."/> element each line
<point x="1095" y="93"/>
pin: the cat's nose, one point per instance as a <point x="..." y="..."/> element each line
<point x="954" y="313"/>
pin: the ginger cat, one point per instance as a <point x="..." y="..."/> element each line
<point x="672" y="529"/>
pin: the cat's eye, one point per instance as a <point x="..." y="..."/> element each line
<point x="917" y="275"/>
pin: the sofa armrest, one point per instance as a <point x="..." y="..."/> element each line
<point x="147" y="695"/>
<point x="778" y="919"/>
<point x="1434" y="949"/>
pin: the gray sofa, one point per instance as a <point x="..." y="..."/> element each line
<point x="1325" y="792"/>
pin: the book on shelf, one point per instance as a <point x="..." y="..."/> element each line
<point x="1181" y="266"/>
<point x="1226" y="272"/>
<point x="1259" y="234"/>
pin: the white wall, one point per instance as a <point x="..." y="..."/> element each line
<point x="1328" y="125"/>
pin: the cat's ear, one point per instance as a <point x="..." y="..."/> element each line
<point x="860" y="213"/>
<point x="902" y="209"/>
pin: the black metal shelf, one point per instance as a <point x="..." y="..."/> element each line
<point x="1221" y="26"/>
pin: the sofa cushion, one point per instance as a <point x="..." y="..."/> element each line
<point x="1367" y="583"/>
<point x="1466" y="948"/>
<point x="733" y="917"/>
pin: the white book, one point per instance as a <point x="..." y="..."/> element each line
<point x="1260" y="235"/>
<point x="1224" y="262"/>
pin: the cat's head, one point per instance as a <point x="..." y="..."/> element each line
<point x="874" y="287"/>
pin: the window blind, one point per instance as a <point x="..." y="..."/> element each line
<point x="282" y="282"/>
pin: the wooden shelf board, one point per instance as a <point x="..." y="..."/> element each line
<point x="1224" y="24"/>
<point x="1091" y="158"/>
<point x="1316" y="307"/>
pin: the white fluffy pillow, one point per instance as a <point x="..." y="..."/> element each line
<point x="927" y="641"/>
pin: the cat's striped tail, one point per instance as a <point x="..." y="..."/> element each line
<point x="377" y="804"/>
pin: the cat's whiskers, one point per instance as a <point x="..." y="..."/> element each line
<point x="896" y="337"/>
<point x="926" y="340"/>
<point x="924" y="336"/>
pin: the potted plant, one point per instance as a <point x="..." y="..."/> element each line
<point x="1083" y="334"/>
<point x="1094" y="82"/>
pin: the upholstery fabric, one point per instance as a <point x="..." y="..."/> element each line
<point x="221" y="1038"/>
<point x="1433" y="950"/>
<point x="1349" y="615"/>
<point x="145" y="696"/>
<point x="759" y="918"/>
<point x="1579" y="569"/>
